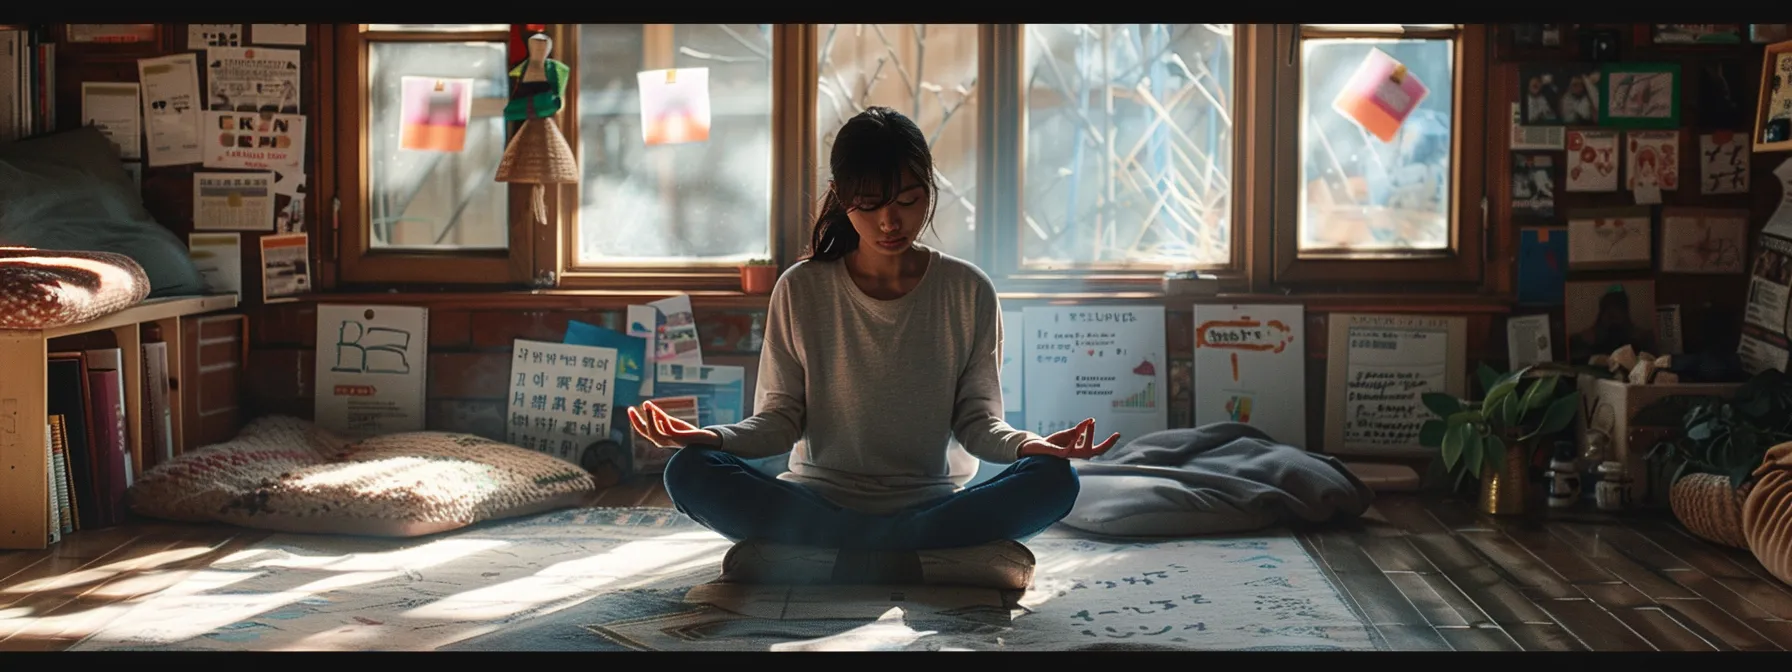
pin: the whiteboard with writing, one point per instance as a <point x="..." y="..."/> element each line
<point x="1101" y="362"/>
<point x="1377" y="368"/>
<point x="1251" y="367"/>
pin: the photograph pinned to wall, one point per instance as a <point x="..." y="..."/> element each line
<point x="1723" y="163"/>
<point x="1101" y="362"/>
<point x="255" y="79"/>
<point x="1380" y="366"/>
<point x="1653" y="164"/>
<point x="1535" y="137"/>
<point x="1536" y="35"/>
<point x="253" y="141"/>
<point x="1764" y="327"/>
<point x="372" y="369"/>
<point x="1669" y="339"/>
<point x="1723" y="95"/>
<point x="1610" y="239"/>
<point x="433" y="113"/>
<point x="291" y="34"/>
<point x="1604" y="315"/>
<point x="1592" y="161"/>
<point x="202" y="36"/>
<point x="285" y="267"/>
<point x="233" y="201"/>
<point x="1703" y="241"/>
<point x="674" y="105"/>
<point x="675" y="338"/>
<point x="113" y="108"/>
<point x="112" y="33"/>
<point x="1250" y="366"/>
<point x="1534" y="179"/>
<point x="219" y="258"/>
<point x="1773" y="117"/>
<point x="1527" y="341"/>
<point x="1542" y="265"/>
<point x="1695" y="33"/>
<point x="1555" y="95"/>
<point x="171" y="107"/>
<point x="289" y="201"/>
<point x="561" y="397"/>
<point x="1768" y="33"/>
<point x="1640" y="95"/>
<point x="1380" y="95"/>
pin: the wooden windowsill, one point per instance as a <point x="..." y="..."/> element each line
<point x="581" y="299"/>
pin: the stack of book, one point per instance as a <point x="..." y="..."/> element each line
<point x="27" y="82"/>
<point x="90" y="460"/>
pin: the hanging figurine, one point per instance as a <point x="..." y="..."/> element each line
<point x="539" y="154"/>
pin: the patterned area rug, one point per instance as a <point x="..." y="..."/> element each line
<point x="635" y="579"/>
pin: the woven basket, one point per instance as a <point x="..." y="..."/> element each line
<point x="1709" y="508"/>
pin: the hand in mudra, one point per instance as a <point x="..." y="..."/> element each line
<point x="652" y="423"/>
<point x="1076" y="443"/>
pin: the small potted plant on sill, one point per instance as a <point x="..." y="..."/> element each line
<point x="1723" y="441"/>
<point x="1495" y="439"/>
<point x="758" y="276"/>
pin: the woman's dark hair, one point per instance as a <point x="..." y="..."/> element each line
<point x="871" y="154"/>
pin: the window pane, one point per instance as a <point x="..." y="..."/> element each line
<point x="438" y="27"/>
<point x="429" y="199"/>
<point x="1129" y="145"/>
<point x="706" y="201"/>
<point x="925" y="71"/>
<point x="1358" y="192"/>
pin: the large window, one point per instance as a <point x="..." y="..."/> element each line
<point x="1070" y="157"/>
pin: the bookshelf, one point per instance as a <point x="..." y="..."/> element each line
<point x="24" y="356"/>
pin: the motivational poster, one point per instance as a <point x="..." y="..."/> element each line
<point x="1378" y="368"/>
<point x="1101" y="362"/>
<point x="1251" y="367"/>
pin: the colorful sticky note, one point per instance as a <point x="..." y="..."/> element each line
<point x="1380" y="95"/>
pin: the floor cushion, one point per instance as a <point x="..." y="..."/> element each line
<point x="288" y="475"/>
<point x="40" y="289"/>
<point x="69" y="191"/>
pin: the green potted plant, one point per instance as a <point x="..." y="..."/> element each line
<point x="1721" y="443"/>
<point x="1494" y="439"/>
<point x="758" y="276"/>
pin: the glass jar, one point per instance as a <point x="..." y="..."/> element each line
<point x="1612" y="493"/>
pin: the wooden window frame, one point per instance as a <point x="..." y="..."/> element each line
<point x="793" y="143"/>
<point x="1460" y="268"/>
<point x="358" y="262"/>
<point x="1002" y="164"/>
<point x="1264" y="256"/>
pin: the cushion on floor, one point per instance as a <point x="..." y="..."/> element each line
<point x="288" y="475"/>
<point x="42" y="289"/>
<point x="1767" y="513"/>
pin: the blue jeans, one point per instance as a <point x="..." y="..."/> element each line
<point x="727" y="495"/>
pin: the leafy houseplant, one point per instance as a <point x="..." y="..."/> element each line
<point x="758" y="276"/>
<point x="1730" y="437"/>
<point x="1493" y="439"/>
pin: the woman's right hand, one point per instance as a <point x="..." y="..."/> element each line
<point x="665" y="431"/>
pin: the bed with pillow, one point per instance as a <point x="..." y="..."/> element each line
<point x="90" y="246"/>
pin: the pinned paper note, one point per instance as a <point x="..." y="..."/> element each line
<point x="435" y="113"/>
<point x="1592" y="161"/>
<point x="1780" y="224"/>
<point x="674" y="105"/>
<point x="1723" y="163"/>
<point x="1653" y="159"/>
<point x="1380" y="95"/>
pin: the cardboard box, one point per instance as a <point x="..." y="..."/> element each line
<point x="1614" y="407"/>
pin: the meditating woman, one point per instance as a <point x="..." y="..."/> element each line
<point x="878" y="352"/>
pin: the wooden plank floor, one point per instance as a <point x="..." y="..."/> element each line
<point x="1430" y="574"/>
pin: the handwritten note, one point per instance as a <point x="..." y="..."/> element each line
<point x="1380" y="365"/>
<point x="560" y="397"/>
<point x="372" y="362"/>
<point x="1101" y="362"/>
<point x="1250" y="367"/>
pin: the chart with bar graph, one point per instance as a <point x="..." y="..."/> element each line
<point x="1142" y="401"/>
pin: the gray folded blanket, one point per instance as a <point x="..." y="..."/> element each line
<point x="1221" y="478"/>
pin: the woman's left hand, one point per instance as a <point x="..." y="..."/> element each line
<point x="1076" y="443"/>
